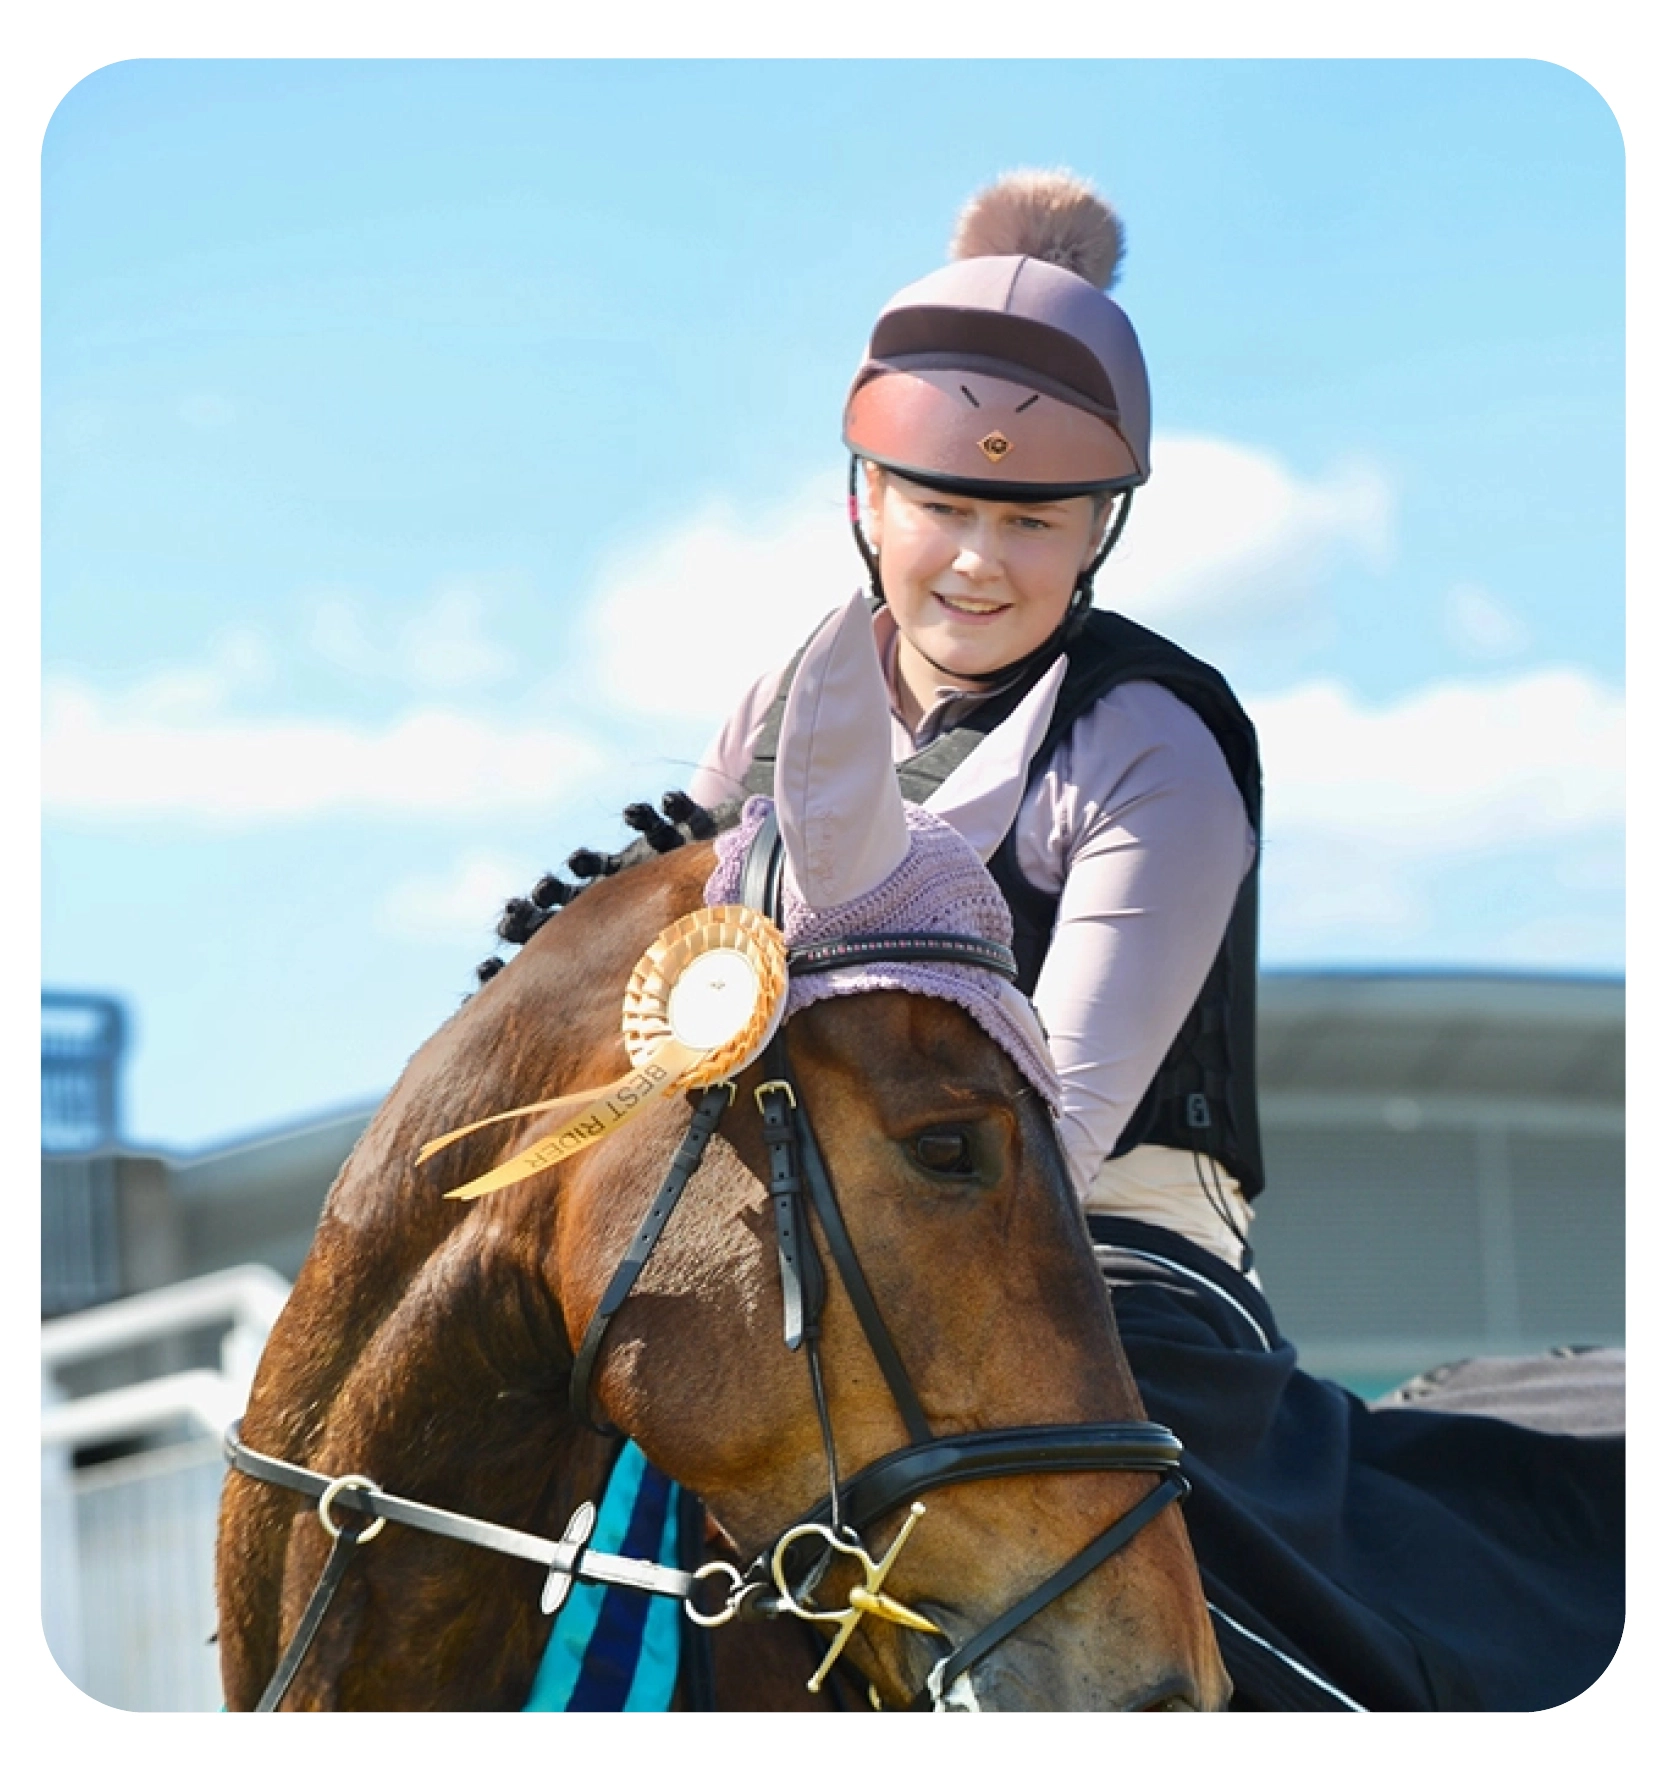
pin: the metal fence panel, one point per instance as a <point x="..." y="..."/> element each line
<point x="80" y="1241"/>
<point x="82" y="1041"/>
<point x="142" y="1560"/>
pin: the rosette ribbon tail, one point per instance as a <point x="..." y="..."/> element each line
<point x="590" y="1117"/>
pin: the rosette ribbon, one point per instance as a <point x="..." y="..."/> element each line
<point x="702" y="1003"/>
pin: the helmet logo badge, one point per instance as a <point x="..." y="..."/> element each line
<point x="995" y="445"/>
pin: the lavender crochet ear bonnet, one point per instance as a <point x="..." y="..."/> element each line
<point x="940" y="887"/>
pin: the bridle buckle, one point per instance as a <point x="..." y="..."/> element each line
<point x="776" y="1085"/>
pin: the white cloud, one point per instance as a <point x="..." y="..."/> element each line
<point x="239" y="659"/>
<point x="1459" y="768"/>
<point x="1315" y="889"/>
<point x="462" y="902"/>
<point x="1482" y="625"/>
<point x="445" y="644"/>
<point x="109" y="756"/>
<point x="1378" y="818"/>
<point x="1575" y="942"/>
<point x="684" y="623"/>
<point x="338" y="631"/>
<point x="1223" y="528"/>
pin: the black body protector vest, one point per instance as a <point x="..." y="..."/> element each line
<point x="1203" y="1097"/>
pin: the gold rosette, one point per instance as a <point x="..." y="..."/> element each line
<point x="701" y="1004"/>
<point x="715" y="982"/>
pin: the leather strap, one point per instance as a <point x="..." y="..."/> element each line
<point x="906" y="1474"/>
<point x="802" y="1285"/>
<point x="1173" y="1486"/>
<point x="761" y="871"/>
<point x="827" y="956"/>
<point x="341" y="1553"/>
<point x="697" y="1674"/>
<point x="704" y="1122"/>
<point x="564" y="1558"/>
<point x="841" y="1248"/>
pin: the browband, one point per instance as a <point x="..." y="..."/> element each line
<point x="828" y="956"/>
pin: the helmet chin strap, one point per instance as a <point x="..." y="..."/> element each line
<point x="1076" y="611"/>
<point x="853" y="510"/>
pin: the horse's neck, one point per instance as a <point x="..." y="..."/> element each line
<point x="424" y="1345"/>
<point x="388" y="1232"/>
<point x="438" y="1409"/>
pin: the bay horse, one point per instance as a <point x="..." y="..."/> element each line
<point x="961" y="1351"/>
<point x="429" y="1345"/>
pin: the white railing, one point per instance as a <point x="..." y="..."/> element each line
<point x="127" y="1586"/>
<point x="247" y="1299"/>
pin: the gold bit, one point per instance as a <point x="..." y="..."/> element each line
<point x="892" y="1610"/>
<point x="868" y="1601"/>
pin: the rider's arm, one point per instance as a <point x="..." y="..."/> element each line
<point x="1138" y="827"/>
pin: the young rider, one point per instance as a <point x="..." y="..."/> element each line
<point x="1465" y="1551"/>
<point x="999" y="427"/>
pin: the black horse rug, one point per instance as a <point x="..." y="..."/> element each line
<point x="1458" y="1546"/>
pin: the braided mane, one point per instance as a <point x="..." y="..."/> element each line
<point x="679" y="820"/>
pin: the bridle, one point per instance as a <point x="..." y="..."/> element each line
<point x="780" y="1581"/>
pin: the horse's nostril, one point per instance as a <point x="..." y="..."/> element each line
<point x="1172" y="1694"/>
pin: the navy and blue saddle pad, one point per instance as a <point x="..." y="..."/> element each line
<point x="614" y="1648"/>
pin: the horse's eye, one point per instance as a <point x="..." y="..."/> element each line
<point x="944" y="1152"/>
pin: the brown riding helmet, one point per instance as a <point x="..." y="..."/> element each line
<point x="1009" y="373"/>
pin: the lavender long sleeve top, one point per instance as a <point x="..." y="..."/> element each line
<point x="1136" y="826"/>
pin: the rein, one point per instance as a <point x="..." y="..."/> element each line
<point x="801" y="1189"/>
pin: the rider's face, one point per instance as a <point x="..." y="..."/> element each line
<point x="974" y="584"/>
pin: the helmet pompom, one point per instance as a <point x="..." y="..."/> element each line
<point x="1054" y="216"/>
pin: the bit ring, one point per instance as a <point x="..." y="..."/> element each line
<point x="788" y="1601"/>
<point x="738" y="1588"/>
<point x="330" y="1493"/>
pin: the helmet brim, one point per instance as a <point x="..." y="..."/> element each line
<point x="982" y="435"/>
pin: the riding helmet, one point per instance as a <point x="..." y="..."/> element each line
<point x="1009" y="373"/>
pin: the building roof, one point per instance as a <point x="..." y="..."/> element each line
<point x="1443" y="1033"/>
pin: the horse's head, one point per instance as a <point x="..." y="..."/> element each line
<point x="430" y="1342"/>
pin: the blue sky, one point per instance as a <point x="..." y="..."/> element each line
<point x="431" y="451"/>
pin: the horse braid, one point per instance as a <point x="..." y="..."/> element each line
<point x="661" y="837"/>
<point x="695" y="819"/>
<point x="521" y="920"/>
<point x="551" y="893"/>
<point x="592" y="864"/>
<point x="679" y="820"/>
